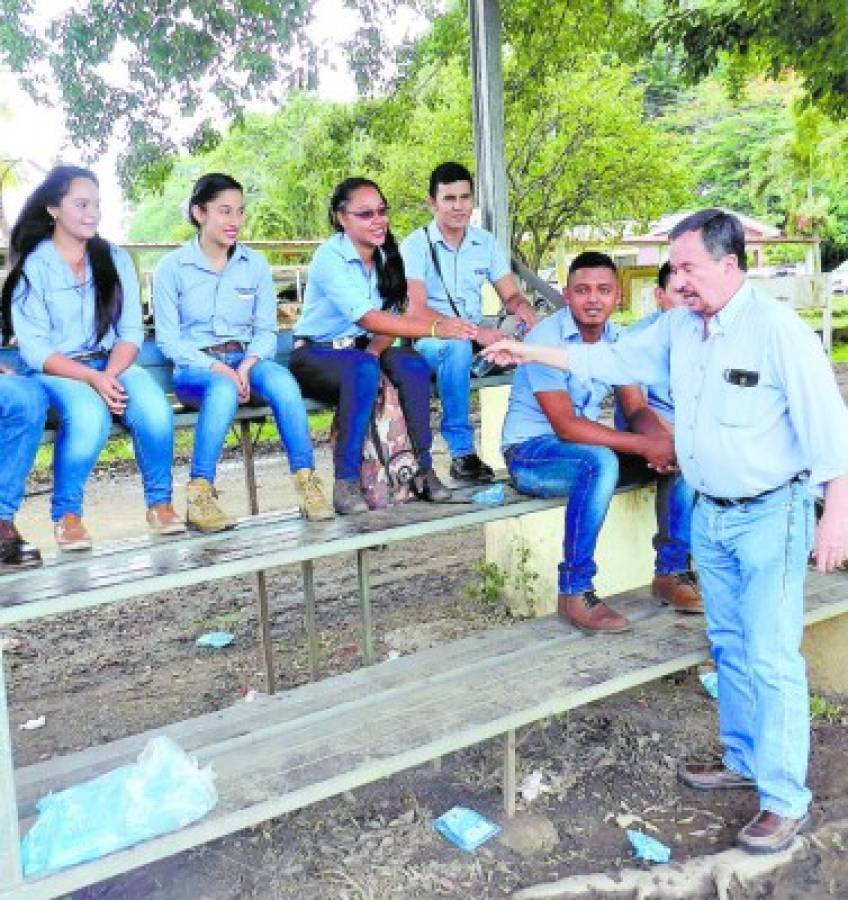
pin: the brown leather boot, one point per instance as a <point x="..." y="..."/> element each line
<point x="71" y="534"/>
<point x="590" y="614"/>
<point x="679" y="591"/>
<point x="768" y="832"/>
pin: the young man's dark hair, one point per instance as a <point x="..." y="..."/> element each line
<point x="663" y="275"/>
<point x="721" y="232"/>
<point x="592" y="259"/>
<point x="448" y="173"/>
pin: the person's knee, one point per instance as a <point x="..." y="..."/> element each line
<point x="366" y="376"/>
<point x="221" y="395"/>
<point x="458" y="354"/>
<point x="86" y="422"/>
<point x="33" y="404"/>
<point x="411" y="368"/>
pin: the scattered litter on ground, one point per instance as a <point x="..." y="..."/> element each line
<point x="215" y="639"/>
<point x="250" y="695"/>
<point x="647" y="848"/>
<point x="465" y="828"/>
<point x="493" y="495"/>
<point x="32" y="724"/>
<point x="11" y="644"/>
<point x="162" y="791"/>
<point x="532" y="787"/>
<point x="709" y="679"/>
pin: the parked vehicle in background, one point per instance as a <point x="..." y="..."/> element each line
<point x="839" y="279"/>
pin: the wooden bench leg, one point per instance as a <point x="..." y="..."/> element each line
<point x="309" y="617"/>
<point x="509" y="774"/>
<point x="261" y="584"/>
<point x="362" y="560"/>
<point x="249" y="470"/>
<point x="11" y="872"/>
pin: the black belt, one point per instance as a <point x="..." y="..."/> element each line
<point x="726" y="502"/>
<point x="358" y="343"/>
<point x="226" y="347"/>
<point x="91" y="354"/>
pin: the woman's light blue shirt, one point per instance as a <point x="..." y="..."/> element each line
<point x="195" y="306"/>
<point x="339" y="292"/>
<point x="54" y="313"/>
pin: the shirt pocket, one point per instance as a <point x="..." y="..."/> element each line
<point x="65" y="308"/>
<point x="740" y="405"/>
<point x="241" y="305"/>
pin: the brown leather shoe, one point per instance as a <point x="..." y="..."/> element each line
<point x="590" y="614"/>
<point x="70" y="533"/>
<point x="712" y="776"/>
<point x="15" y="552"/>
<point x="679" y="591"/>
<point x="768" y="832"/>
<point x="162" y="519"/>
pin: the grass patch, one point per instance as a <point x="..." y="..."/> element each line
<point x="822" y="709"/>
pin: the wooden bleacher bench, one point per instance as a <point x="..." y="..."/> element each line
<point x="293" y="749"/>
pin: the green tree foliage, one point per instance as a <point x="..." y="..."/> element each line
<point x="768" y="154"/>
<point x="770" y="36"/>
<point x="124" y="68"/>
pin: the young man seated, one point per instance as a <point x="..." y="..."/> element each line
<point x="554" y="446"/>
<point x="447" y="263"/>
<point x="674" y="582"/>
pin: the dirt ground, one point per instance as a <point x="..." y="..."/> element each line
<point x="117" y="670"/>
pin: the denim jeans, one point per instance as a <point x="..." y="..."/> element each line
<point x="451" y="361"/>
<point x="23" y="405"/>
<point x="84" y="420"/>
<point x="216" y="397"/>
<point x="547" y="466"/>
<point x="751" y="562"/>
<point x="350" y="378"/>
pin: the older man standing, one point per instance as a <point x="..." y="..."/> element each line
<point x="760" y="427"/>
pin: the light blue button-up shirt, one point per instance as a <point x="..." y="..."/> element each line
<point x="54" y="313"/>
<point x="478" y="259"/>
<point x="658" y="395"/>
<point x="195" y="306"/>
<point x="339" y="292"/>
<point x="525" y="418"/>
<point x="734" y="439"/>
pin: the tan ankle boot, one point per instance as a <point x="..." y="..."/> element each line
<point x="311" y="498"/>
<point x="203" y="512"/>
<point x="71" y="533"/>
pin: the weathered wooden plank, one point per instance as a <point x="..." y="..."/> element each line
<point x="180" y="564"/>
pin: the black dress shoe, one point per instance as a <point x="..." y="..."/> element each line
<point x="16" y="553"/>
<point x="471" y="468"/>
<point x="427" y="486"/>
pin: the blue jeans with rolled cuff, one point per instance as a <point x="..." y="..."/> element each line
<point x="349" y="379"/>
<point x="84" y="421"/>
<point x="547" y="466"/>
<point x="216" y="397"/>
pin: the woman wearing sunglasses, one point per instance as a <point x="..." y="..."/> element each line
<point x="352" y="314"/>
<point x="216" y="319"/>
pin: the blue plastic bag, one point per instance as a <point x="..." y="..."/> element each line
<point x="215" y="639"/>
<point x="465" y="827"/>
<point x="709" y="680"/>
<point x="648" y="848"/>
<point x="490" y="496"/>
<point x="163" y="791"/>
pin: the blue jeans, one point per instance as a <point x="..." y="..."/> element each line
<point x="546" y="466"/>
<point x="216" y="397"/>
<point x="751" y="562"/>
<point x="350" y="378"/>
<point x="23" y="406"/>
<point x="84" y="421"/>
<point x="451" y="361"/>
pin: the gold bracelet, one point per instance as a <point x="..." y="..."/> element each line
<point x="433" y="325"/>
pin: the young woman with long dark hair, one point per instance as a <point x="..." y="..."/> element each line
<point x="216" y="318"/>
<point x="355" y="295"/>
<point x="72" y="300"/>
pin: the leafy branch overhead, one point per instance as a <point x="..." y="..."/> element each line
<point x="125" y="68"/>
